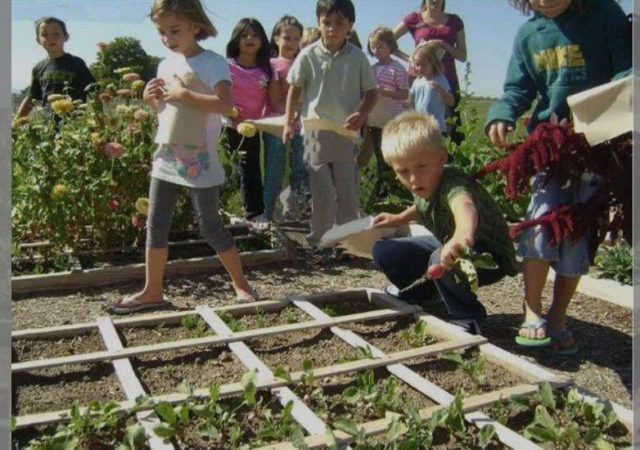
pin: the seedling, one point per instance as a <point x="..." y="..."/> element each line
<point x="289" y="316"/>
<point x="416" y="335"/>
<point x="234" y="324"/>
<point x="196" y="325"/>
<point x="474" y="366"/>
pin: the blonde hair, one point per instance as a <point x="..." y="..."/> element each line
<point x="410" y="133"/>
<point x="430" y="52"/>
<point x="385" y="35"/>
<point x="309" y="36"/>
<point x="191" y="10"/>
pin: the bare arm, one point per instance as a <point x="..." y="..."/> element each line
<point x="458" y="50"/>
<point x="447" y="97"/>
<point x="394" y="220"/>
<point x="25" y="107"/>
<point x="465" y="217"/>
<point x="399" y="31"/>
<point x="356" y="120"/>
<point x="293" y="97"/>
<point x="220" y="102"/>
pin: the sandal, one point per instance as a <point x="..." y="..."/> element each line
<point x="533" y="342"/>
<point x="251" y="298"/>
<point x="562" y="336"/>
<point x="130" y="304"/>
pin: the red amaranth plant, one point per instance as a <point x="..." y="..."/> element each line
<point x="555" y="150"/>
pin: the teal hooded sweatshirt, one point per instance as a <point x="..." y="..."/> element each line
<point x="554" y="58"/>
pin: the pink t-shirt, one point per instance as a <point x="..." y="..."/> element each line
<point x="391" y="76"/>
<point x="280" y="68"/>
<point x="447" y="32"/>
<point x="250" y="91"/>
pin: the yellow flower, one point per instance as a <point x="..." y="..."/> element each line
<point x="62" y="106"/>
<point x="142" y="206"/>
<point x="247" y="129"/>
<point x="54" y="97"/>
<point x="123" y="109"/>
<point x="131" y="76"/>
<point x="123" y="70"/>
<point x="58" y="191"/>
<point x="137" y="85"/>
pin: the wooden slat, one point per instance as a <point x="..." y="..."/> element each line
<point x="380" y="426"/>
<point x="96" y="277"/>
<point x="209" y="340"/>
<point x="300" y="412"/>
<point x="421" y="384"/>
<point x="232" y="389"/>
<point x="130" y="384"/>
<point x="446" y="330"/>
<point x="146" y="320"/>
<point x="173" y="317"/>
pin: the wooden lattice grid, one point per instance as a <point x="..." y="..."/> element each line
<point x="453" y="338"/>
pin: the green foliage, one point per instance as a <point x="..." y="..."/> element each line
<point x="416" y="335"/>
<point x="232" y="322"/>
<point x="124" y="52"/>
<point x="473" y="366"/>
<point x="615" y="263"/>
<point x="196" y="325"/>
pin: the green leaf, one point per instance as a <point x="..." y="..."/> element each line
<point x="135" y="435"/>
<point x="602" y="444"/>
<point x="250" y="393"/>
<point x="166" y="413"/>
<point x="209" y="431"/>
<point x="483" y="261"/>
<point x="467" y="267"/>
<point x="164" y="431"/>
<point x="185" y="388"/>
<point x="281" y="372"/>
<point x="453" y="356"/>
<point x="346" y="425"/>
<point x="351" y="394"/>
<point x="13" y="423"/>
<point x="286" y="412"/>
<point x="395" y="430"/>
<point x="331" y="439"/>
<point x="546" y="395"/>
<point x="297" y="439"/>
<point x="307" y="365"/>
<point x="486" y="434"/>
<point x="543" y="418"/>
<point x="592" y="434"/>
<point x="539" y="434"/>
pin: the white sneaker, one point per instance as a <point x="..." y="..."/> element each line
<point x="259" y="222"/>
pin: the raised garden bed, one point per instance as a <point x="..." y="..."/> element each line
<point x="335" y="378"/>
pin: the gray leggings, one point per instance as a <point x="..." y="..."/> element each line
<point x="163" y="196"/>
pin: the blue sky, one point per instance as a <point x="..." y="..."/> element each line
<point x="490" y="27"/>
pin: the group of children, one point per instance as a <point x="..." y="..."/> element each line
<point x="332" y="79"/>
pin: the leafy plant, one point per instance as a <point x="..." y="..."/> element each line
<point x="373" y="399"/>
<point x="196" y="325"/>
<point x="232" y="322"/>
<point x="473" y="366"/>
<point x="416" y="335"/>
<point x="615" y="263"/>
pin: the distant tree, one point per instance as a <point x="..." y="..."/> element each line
<point x="124" y="52"/>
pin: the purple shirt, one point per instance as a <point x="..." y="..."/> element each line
<point x="447" y="32"/>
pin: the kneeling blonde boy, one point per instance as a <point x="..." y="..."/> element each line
<point x="459" y="212"/>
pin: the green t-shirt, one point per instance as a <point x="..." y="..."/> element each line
<point x="492" y="233"/>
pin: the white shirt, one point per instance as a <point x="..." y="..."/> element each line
<point x="190" y="163"/>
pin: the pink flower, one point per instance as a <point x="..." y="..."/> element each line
<point x="106" y="96"/>
<point x="113" y="150"/>
<point x="130" y="77"/>
<point x="138" y="221"/>
<point x="194" y="170"/>
<point x="102" y="45"/>
<point x="113" y="205"/>
<point x="124" y="92"/>
<point x="140" y="114"/>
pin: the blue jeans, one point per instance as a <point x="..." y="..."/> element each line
<point x="404" y="260"/>
<point x="274" y="162"/>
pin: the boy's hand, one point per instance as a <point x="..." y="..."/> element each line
<point x="498" y="132"/>
<point x="387" y="220"/>
<point x="176" y="91"/>
<point x="355" y="121"/>
<point x="451" y="250"/>
<point x="287" y="132"/>
<point x="153" y="89"/>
